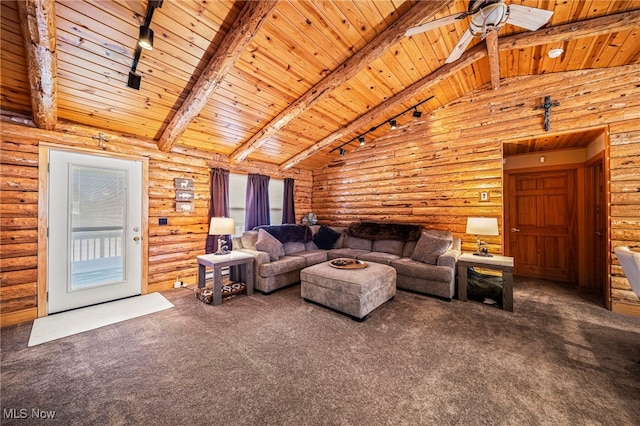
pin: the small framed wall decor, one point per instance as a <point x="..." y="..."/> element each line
<point x="184" y="195"/>
<point x="184" y="206"/>
<point x="186" y="184"/>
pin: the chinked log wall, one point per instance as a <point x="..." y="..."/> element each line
<point x="172" y="248"/>
<point x="433" y="170"/>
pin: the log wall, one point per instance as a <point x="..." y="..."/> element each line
<point x="172" y="248"/>
<point x="432" y="170"/>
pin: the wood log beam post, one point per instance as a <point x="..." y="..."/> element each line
<point x="242" y="32"/>
<point x="38" y="23"/>
<point x="593" y="27"/>
<point x="381" y="43"/>
<point x="491" y="41"/>
<point x="468" y="58"/>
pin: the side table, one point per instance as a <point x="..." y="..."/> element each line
<point x="500" y="263"/>
<point x="217" y="262"/>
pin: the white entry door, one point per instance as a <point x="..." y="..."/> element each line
<point x="95" y="216"/>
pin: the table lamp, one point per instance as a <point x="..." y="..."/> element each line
<point x="221" y="226"/>
<point x="482" y="226"/>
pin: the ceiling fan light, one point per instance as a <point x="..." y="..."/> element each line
<point x="554" y="53"/>
<point x="146" y="38"/>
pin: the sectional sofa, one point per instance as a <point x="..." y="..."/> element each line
<point x="424" y="259"/>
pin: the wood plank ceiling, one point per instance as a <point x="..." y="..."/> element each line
<point x="284" y="82"/>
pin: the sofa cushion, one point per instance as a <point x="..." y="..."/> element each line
<point x="429" y="247"/>
<point x="388" y="246"/>
<point x="420" y="270"/>
<point x="268" y="243"/>
<point x="293" y="248"/>
<point x="249" y="239"/>
<point x="282" y="266"/>
<point x="313" y="257"/>
<point x="409" y="246"/>
<point x="356" y="243"/>
<point x="345" y="252"/>
<point x="326" y="237"/>
<point x="378" y="257"/>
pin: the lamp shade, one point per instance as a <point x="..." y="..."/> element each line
<point x="221" y="226"/>
<point x="482" y="226"/>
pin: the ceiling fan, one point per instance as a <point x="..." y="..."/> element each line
<point x="487" y="16"/>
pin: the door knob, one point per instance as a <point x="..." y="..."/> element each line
<point x="136" y="238"/>
<point x="515" y="230"/>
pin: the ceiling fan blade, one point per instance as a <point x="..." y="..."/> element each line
<point x="437" y="23"/>
<point x="530" y="18"/>
<point x="462" y="45"/>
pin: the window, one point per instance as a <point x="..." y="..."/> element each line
<point x="238" y="196"/>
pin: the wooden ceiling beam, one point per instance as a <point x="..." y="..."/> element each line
<point x="383" y="41"/>
<point x="590" y="28"/>
<point x="468" y="58"/>
<point x="608" y="24"/>
<point x="38" y="23"/>
<point x="241" y="33"/>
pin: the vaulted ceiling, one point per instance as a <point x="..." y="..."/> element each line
<point x="284" y="82"/>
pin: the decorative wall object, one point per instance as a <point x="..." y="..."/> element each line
<point x="184" y="195"/>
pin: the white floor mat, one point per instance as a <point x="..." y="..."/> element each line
<point x="65" y="324"/>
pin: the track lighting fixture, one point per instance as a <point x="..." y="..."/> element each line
<point x="392" y="122"/>
<point x="146" y="38"/>
<point x="145" y="41"/>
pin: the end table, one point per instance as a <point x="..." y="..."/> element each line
<point x="500" y="263"/>
<point x="217" y="262"/>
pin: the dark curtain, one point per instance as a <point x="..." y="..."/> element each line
<point x="288" y="208"/>
<point x="257" y="205"/>
<point x="218" y="205"/>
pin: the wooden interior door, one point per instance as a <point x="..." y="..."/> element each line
<point x="542" y="217"/>
<point x="596" y="241"/>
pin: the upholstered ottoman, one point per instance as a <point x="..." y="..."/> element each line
<point x="355" y="292"/>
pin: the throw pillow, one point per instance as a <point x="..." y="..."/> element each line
<point x="269" y="244"/>
<point x="429" y="248"/>
<point x="249" y="239"/>
<point x="326" y="237"/>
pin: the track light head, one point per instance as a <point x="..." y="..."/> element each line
<point x="393" y="124"/>
<point x="416" y="113"/>
<point x="361" y="140"/>
<point x="134" y="80"/>
<point x="341" y="151"/>
<point x="146" y="38"/>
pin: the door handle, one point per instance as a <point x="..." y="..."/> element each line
<point x="598" y="233"/>
<point x="136" y="238"/>
<point x="515" y="230"/>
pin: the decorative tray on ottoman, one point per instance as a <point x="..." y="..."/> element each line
<point x="345" y="263"/>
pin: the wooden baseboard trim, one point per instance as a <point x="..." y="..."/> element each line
<point x="18" y="317"/>
<point x="626" y="308"/>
